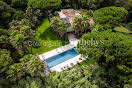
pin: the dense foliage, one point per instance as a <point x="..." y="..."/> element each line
<point x="5" y="61"/>
<point x="44" y="4"/>
<point x="34" y="16"/>
<point x="19" y="4"/>
<point x="6" y="14"/>
<point x="21" y="22"/>
<point x="111" y="50"/>
<point x="81" y="23"/>
<point x="20" y="34"/>
<point x="29" y="82"/>
<point x="109" y="17"/>
<point x="77" y="4"/>
<point x="19" y="14"/>
<point x="59" y="26"/>
<point x="29" y="64"/>
<point x="79" y="77"/>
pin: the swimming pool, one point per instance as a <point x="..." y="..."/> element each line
<point x="57" y="59"/>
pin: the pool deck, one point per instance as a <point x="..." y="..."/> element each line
<point x="68" y="63"/>
<point x="56" y="51"/>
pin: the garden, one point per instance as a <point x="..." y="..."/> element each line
<point x="32" y="27"/>
<point x="46" y="39"/>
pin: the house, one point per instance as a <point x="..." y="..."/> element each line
<point x="68" y="15"/>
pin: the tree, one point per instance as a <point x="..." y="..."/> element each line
<point x="85" y="4"/>
<point x="45" y="5"/>
<point x="34" y="15"/>
<point x="32" y="65"/>
<point x="29" y="64"/>
<point x="15" y="72"/>
<point x="109" y="17"/>
<point x="93" y="4"/>
<point x="4" y="32"/>
<point x="17" y="25"/>
<point x="19" y="4"/>
<point x="118" y="3"/>
<point x="7" y="1"/>
<point x="19" y="15"/>
<point x="59" y="26"/>
<point x="81" y="23"/>
<point x="110" y="50"/>
<point x="71" y="79"/>
<point x="5" y="61"/>
<point x="17" y="40"/>
<point x="4" y="42"/>
<point x="29" y="82"/>
<point x="6" y="14"/>
<point x="21" y="34"/>
<point x="88" y="13"/>
<point x="128" y="5"/>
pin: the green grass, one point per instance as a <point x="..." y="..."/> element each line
<point x="122" y="30"/>
<point x="46" y="38"/>
<point x="87" y="62"/>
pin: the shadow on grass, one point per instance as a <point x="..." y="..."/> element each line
<point x="49" y="33"/>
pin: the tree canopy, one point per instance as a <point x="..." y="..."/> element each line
<point x="111" y="50"/>
<point x="110" y="17"/>
<point x="59" y="26"/>
<point x="81" y="23"/>
<point x="44" y="4"/>
<point x="29" y="64"/>
<point x="5" y="61"/>
<point x="20" y="33"/>
<point x="6" y="14"/>
<point x="24" y="29"/>
<point x="19" y="4"/>
<point x="77" y="4"/>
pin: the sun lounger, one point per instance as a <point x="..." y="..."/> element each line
<point x="62" y="69"/>
<point x="71" y="64"/>
<point x="80" y="58"/>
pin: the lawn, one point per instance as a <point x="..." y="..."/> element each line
<point x="46" y="39"/>
<point x="87" y="62"/>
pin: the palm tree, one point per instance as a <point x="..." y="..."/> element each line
<point x="15" y="72"/>
<point x="32" y="65"/>
<point x="76" y="24"/>
<point x="21" y="35"/>
<point x="17" y="40"/>
<point x="81" y="23"/>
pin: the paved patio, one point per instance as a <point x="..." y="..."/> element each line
<point x="73" y="41"/>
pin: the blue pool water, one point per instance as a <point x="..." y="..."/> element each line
<point x="52" y="61"/>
